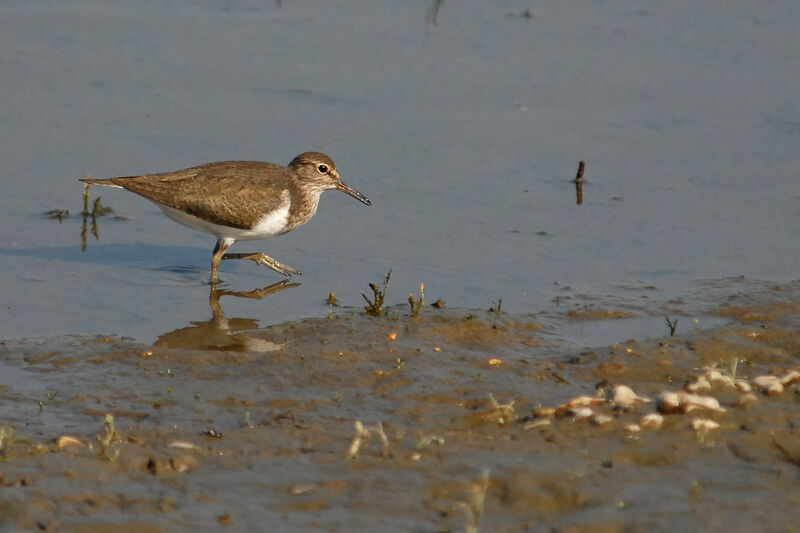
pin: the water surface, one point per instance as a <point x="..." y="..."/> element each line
<point x="465" y="133"/>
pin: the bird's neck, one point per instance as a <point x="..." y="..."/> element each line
<point x="305" y="205"/>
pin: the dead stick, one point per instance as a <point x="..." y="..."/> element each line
<point x="579" y="183"/>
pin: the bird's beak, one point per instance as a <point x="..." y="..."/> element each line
<point x="342" y="186"/>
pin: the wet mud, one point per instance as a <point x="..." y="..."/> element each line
<point x="454" y="420"/>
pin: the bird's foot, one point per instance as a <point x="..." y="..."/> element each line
<point x="267" y="261"/>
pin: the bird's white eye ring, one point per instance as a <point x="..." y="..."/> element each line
<point x="322" y="168"/>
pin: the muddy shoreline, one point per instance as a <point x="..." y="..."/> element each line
<point x="468" y="419"/>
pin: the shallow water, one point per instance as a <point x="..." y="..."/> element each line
<point x="466" y="135"/>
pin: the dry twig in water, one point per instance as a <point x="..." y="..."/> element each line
<point x="579" y="183"/>
<point x="672" y="325"/>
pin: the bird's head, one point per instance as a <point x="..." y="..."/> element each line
<point x="319" y="171"/>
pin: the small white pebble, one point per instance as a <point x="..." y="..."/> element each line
<point x="715" y="376"/>
<point x="579" y="401"/>
<point x="774" y="388"/>
<point x="764" y="381"/>
<point x="183" y="445"/>
<point x="791" y="378"/>
<point x="668" y="402"/>
<point x="694" y="401"/>
<point x="700" y="384"/>
<point x="539" y="422"/>
<point x="743" y="386"/>
<point x="633" y="428"/>
<point x="580" y="413"/>
<point x="602" y="420"/>
<point x="625" y="397"/>
<point x="683" y="402"/>
<point x="652" y="421"/>
<point x="68" y="440"/>
<point x="704" y="424"/>
<point x="748" y="399"/>
<point x="583" y="400"/>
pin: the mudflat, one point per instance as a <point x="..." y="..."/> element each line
<point x="451" y="420"/>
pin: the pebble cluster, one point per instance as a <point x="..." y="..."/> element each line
<point x="692" y="397"/>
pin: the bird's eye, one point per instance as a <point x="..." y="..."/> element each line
<point x="322" y="168"/>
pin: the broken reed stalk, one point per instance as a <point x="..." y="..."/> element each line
<point x="107" y="439"/>
<point x="581" y="167"/>
<point x="84" y="231"/>
<point x="375" y="307"/>
<point x="331" y="303"/>
<point x="672" y="325"/>
<point x="579" y="183"/>
<point x="98" y="210"/>
<point x="86" y="197"/>
<point x="416" y="305"/>
<point x="85" y="213"/>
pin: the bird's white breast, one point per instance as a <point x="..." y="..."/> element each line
<point x="268" y="225"/>
<point x="273" y="222"/>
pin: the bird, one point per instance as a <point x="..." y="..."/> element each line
<point x="240" y="200"/>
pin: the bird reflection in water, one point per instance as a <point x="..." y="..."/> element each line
<point x="226" y="334"/>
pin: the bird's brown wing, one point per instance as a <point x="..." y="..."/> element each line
<point x="229" y="193"/>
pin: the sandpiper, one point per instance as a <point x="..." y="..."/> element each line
<point x="241" y="200"/>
